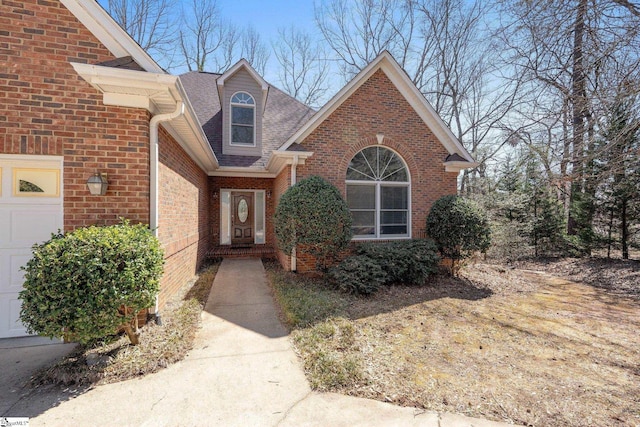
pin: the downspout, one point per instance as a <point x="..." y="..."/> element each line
<point x="153" y="177"/>
<point x="294" y="177"/>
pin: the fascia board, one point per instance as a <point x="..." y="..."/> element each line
<point x="279" y="159"/>
<point x="408" y="90"/>
<point x="110" y="34"/>
<point x="457" y="166"/>
<point x="161" y="83"/>
<point x="239" y="172"/>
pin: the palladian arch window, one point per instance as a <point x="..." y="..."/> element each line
<point x="243" y="119"/>
<point x="378" y="194"/>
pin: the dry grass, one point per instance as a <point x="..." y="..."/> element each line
<point x="116" y="360"/>
<point x="498" y="343"/>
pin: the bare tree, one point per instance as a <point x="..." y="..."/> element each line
<point x="149" y="23"/>
<point x="574" y="54"/>
<point x="205" y="39"/>
<point x="254" y="50"/>
<point x="445" y="48"/>
<point x="303" y="66"/>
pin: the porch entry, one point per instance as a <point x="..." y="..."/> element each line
<point x="242" y="217"/>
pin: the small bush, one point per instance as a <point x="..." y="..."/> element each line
<point x="313" y="217"/>
<point x="89" y="282"/>
<point x="459" y="228"/>
<point x="358" y="274"/>
<point x="410" y="262"/>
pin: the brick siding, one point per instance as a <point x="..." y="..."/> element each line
<point x="184" y="212"/>
<point x="378" y="107"/>
<point x="226" y="183"/>
<point x="47" y="109"/>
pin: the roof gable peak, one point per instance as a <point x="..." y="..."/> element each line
<point x="399" y="78"/>
<point x="243" y="64"/>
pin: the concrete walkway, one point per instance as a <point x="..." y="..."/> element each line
<point x="241" y="372"/>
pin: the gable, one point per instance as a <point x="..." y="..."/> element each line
<point x="412" y="95"/>
<point x="241" y="81"/>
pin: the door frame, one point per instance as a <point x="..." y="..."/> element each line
<point x="225" y="217"/>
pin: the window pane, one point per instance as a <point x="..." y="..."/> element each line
<point x="359" y="169"/>
<point x="242" y="98"/>
<point x="395" y="171"/>
<point x="364" y="223"/>
<point x="242" y="115"/>
<point x="394" y="197"/>
<point x="242" y="135"/>
<point x="394" y="229"/>
<point x="361" y="196"/>
<point x="259" y="209"/>
<point x="393" y="217"/>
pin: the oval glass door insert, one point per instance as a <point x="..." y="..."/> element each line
<point x="243" y="210"/>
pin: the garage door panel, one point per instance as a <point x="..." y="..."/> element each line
<point x="33" y="225"/>
<point x="16" y="327"/>
<point x="25" y="219"/>
<point x="16" y="272"/>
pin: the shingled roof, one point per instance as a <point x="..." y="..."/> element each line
<point x="283" y="116"/>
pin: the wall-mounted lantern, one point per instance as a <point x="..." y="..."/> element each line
<point x="97" y="184"/>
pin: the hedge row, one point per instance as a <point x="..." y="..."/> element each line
<point x="409" y="262"/>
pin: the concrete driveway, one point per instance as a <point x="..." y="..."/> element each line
<point x="241" y="372"/>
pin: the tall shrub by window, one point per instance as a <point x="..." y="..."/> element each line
<point x="378" y="194"/>
<point x="243" y="119"/>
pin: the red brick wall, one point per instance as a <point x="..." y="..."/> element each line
<point x="184" y="212"/>
<point x="280" y="186"/>
<point x="378" y="107"/>
<point x="226" y="183"/>
<point x="47" y="109"/>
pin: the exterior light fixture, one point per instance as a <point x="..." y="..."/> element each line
<point x="97" y="184"/>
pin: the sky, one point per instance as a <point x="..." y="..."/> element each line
<point x="267" y="16"/>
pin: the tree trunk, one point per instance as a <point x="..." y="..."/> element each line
<point x="624" y="229"/>
<point x="579" y="104"/>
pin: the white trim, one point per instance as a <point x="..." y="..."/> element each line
<point x="457" y="165"/>
<point x="243" y="63"/>
<point x="400" y="79"/>
<point x="235" y="104"/>
<point x="110" y="34"/>
<point x="378" y="208"/>
<point x="130" y="88"/>
<point x="242" y="172"/>
<point x="264" y="213"/>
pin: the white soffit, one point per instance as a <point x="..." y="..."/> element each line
<point x="110" y="34"/>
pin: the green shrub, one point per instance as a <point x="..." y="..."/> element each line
<point x="358" y="275"/>
<point x="87" y="283"/>
<point x="313" y="217"/>
<point x="459" y="228"/>
<point x="410" y="262"/>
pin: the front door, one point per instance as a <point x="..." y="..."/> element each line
<point x="242" y="218"/>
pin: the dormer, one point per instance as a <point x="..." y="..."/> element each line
<point x="243" y="95"/>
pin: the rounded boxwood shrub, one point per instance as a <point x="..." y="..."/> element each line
<point x="358" y="274"/>
<point x="88" y="283"/>
<point x="459" y="228"/>
<point x="409" y="262"/>
<point x="313" y="217"/>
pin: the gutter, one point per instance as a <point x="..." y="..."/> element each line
<point x="153" y="176"/>
<point x="294" y="178"/>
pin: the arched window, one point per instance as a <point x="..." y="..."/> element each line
<point x="378" y="194"/>
<point x="243" y="119"/>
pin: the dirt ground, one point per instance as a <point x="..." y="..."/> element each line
<point x="508" y="344"/>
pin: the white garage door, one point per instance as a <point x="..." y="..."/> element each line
<point x="30" y="210"/>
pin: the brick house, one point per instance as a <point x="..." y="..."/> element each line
<point x="203" y="158"/>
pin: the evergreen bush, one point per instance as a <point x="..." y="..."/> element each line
<point x="88" y="283"/>
<point x="358" y="275"/>
<point x="409" y="262"/>
<point x="459" y="228"/>
<point x="313" y="217"/>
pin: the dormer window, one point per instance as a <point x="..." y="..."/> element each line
<point x="243" y="119"/>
